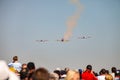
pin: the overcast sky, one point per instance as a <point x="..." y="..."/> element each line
<point x="22" y="22"/>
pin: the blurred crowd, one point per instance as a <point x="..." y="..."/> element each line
<point x="27" y="71"/>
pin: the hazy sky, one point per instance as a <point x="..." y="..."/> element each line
<point x="22" y="22"/>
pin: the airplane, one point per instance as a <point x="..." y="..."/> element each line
<point x="84" y="37"/>
<point x="62" y="40"/>
<point x="41" y="40"/>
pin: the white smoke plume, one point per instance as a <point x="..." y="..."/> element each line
<point x="72" y="20"/>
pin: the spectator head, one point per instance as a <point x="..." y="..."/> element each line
<point x="108" y="77"/>
<point x="58" y="73"/>
<point x="80" y="71"/>
<point x="30" y="66"/>
<point x="67" y="69"/>
<point x="53" y="76"/>
<point x="89" y="67"/>
<point x="41" y="74"/>
<point x="72" y="75"/>
<point x="107" y="71"/>
<point x="113" y="69"/>
<point x="24" y="66"/>
<point x="15" y="58"/>
<point x="102" y="71"/>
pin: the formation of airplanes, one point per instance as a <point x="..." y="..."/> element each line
<point x="63" y="40"/>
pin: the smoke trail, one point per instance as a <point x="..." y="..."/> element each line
<point x="72" y="20"/>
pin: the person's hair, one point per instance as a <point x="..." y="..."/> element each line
<point x="31" y="65"/>
<point x="107" y="71"/>
<point x="15" y="58"/>
<point x="113" y="69"/>
<point x="102" y="71"/>
<point x="24" y="65"/>
<point x="70" y="74"/>
<point x="89" y="67"/>
<point x="108" y="77"/>
<point x="53" y="76"/>
<point x="41" y="74"/>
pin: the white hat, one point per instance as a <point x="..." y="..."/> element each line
<point x="6" y="73"/>
<point x="58" y="69"/>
